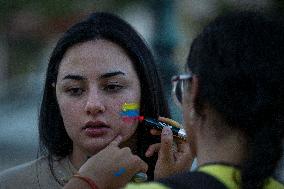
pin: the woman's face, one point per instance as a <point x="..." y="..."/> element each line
<point x="95" y="79"/>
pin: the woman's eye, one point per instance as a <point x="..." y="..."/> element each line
<point x="76" y="91"/>
<point x="112" y="87"/>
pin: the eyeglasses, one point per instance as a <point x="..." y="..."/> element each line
<point x="178" y="83"/>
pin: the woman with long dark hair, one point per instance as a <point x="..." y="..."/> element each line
<point x="97" y="68"/>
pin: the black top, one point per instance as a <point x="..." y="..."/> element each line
<point x="192" y="180"/>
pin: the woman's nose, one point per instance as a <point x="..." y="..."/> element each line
<point x="94" y="104"/>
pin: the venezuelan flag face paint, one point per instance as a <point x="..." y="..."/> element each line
<point x="130" y="112"/>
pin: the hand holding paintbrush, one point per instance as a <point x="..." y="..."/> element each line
<point x="173" y="156"/>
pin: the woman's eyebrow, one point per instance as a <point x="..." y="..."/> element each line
<point x="74" y="77"/>
<point x="111" y="74"/>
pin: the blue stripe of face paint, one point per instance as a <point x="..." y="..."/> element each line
<point x="130" y="113"/>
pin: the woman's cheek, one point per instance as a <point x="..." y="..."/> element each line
<point x="70" y="114"/>
<point x="127" y="122"/>
<point x="127" y="130"/>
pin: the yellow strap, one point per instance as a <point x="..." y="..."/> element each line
<point x="230" y="176"/>
<point x="224" y="174"/>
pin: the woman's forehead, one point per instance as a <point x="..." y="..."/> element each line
<point x="96" y="49"/>
<point x="96" y="57"/>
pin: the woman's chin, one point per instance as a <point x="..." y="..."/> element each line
<point x="95" y="146"/>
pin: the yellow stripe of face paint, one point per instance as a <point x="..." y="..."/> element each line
<point x="130" y="106"/>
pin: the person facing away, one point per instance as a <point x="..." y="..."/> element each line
<point x="99" y="65"/>
<point x="232" y="97"/>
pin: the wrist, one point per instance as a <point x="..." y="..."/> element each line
<point x="76" y="183"/>
<point x="86" y="180"/>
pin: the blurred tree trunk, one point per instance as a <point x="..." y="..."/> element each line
<point x="165" y="40"/>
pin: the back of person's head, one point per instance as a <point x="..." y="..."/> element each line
<point x="53" y="137"/>
<point x="239" y="61"/>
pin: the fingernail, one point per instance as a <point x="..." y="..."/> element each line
<point x="167" y="131"/>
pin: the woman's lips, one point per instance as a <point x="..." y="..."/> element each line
<point x="95" y="129"/>
<point x="95" y="132"/>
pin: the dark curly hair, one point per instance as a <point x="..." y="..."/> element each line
<point x="54" y="140"/>
<point x="239" y="60"/>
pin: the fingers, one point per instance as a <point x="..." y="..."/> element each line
<point x="184" y="155"/>
<point x="116" y="141"/>
<point x="183" y="147"/>
<point x="158" y="133"/>
<point x="152" y="149"/>
<point x="155" y="132"/>
<point x="166" y="151"/>
<point x="136" y="164"/>
<point x="143" y="167"/>
<point x="170" y="122"/>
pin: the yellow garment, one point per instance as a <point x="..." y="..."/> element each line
<point x="150" y="185"/>
<point x="225" y="174"/>
<point x="230" y="176"/>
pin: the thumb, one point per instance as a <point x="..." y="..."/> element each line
<point x="166" y="151"/>
<point x="116" y="141"/>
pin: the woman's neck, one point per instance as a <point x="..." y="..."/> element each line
<point x="78" y="157"/>
<point x="229" y="148"/>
